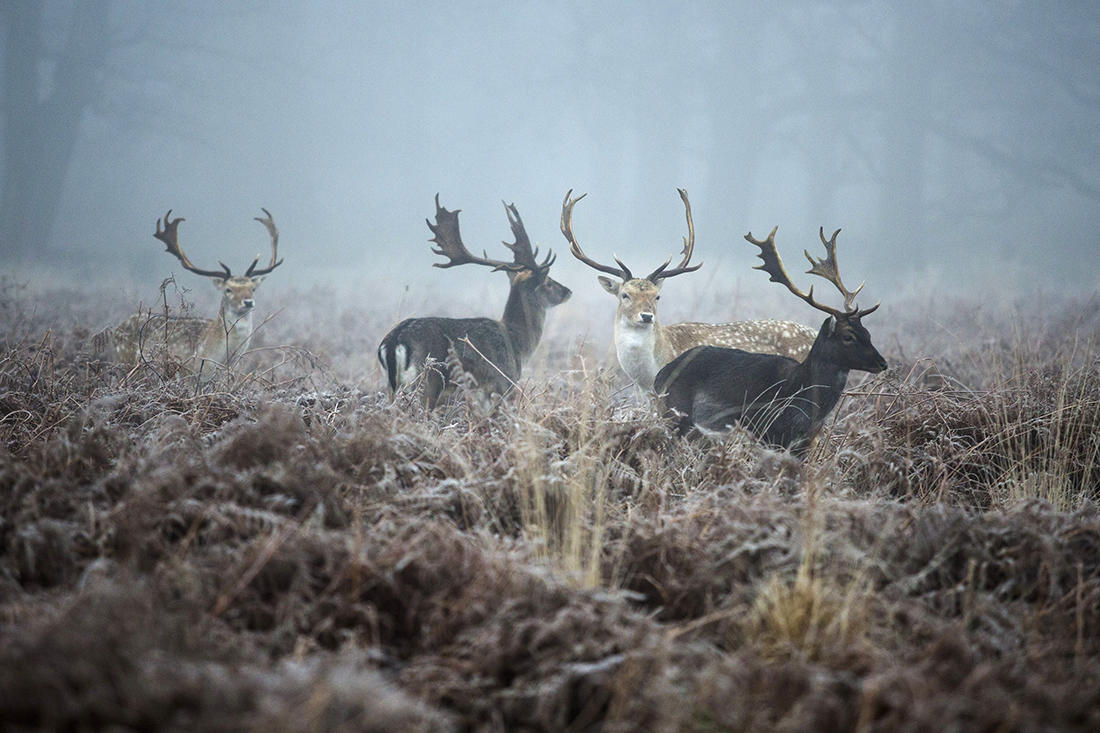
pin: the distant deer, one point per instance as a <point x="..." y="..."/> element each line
<point x="777" y="398"/>
<point x="643" y="345"/>
<point x="491" y="352"/>
<point x="202" y="343"/>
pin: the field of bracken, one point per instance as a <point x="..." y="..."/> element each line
<point x="287" y="549"/>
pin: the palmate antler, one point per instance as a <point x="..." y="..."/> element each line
<point x="170" y="236"/>
<point x="449" y="241"/>
<point x="522" y="253"/>
<point x="827" y="268"/>
<point x="168" y="232"/>
<point x="622" y="271"/>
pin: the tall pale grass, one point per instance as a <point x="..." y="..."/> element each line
<point x="822" y="613"/>
<point x="562" y="480"/>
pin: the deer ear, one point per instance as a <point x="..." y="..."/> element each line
<point x="829" y="326"/>
<point x="609" y="285"/>
<point x="219" y="282"/>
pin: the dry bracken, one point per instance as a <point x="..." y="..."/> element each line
<point x="301" y="552"/>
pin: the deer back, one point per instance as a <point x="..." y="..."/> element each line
<point x="713" y="388"/>
<point x="783" y="338"/>
<point x="153" y="337"/>
<point x="481" y="346"/>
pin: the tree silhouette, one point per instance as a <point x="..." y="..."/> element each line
<point x="46" y="93"/>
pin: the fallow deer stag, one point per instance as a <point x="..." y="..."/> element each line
<point x="642" y="344"/>
<point x="781" y="400"/>
<point x="491" y="352"/>
<point x="203" y="344"/>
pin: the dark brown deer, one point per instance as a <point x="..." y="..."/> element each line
<point x="642" y="344"/>
<point x="203" y="344"/>
<point x="491" y="352"/>
<point x="781" y="400"/>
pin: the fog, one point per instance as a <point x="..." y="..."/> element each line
<point x="955" y="144"/>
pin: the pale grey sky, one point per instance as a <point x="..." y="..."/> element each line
<point x="953" y="143"/>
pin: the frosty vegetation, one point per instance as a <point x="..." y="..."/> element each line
<point x="286" y="549"/>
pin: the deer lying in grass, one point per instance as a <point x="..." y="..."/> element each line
<point x="777" y="398"/>
<point x="202" y="344"/>
<point x="490" y="352"/>
<point x="643" y="345"/>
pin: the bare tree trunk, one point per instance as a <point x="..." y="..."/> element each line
<point x="41" y="129"/>
<point x="24" y="46"/>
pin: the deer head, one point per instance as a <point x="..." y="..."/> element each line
<point x="237" y="290"/>
<point x="637" y="296"/>
<point x="843" y="338"/>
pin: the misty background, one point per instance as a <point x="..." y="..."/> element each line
<point x="955" y="143"/>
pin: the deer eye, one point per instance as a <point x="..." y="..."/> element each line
<point x="228" y="291"/>
<point x="848" y="338"/>
<point x="658" y="297"/>
<point x="626" y="297"/>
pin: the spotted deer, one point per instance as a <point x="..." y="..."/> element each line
<point x="201" y="344"/>
<point x="781" y="400"/>
<point x="642" y="344"/>
<point x="491" y="352"/>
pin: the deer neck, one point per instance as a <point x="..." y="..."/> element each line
<point x="642" y="350"/>
<point x="819" y="379"/>
<point x="524" y="316"/>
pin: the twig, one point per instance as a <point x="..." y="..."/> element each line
<point x="466" y="340"/>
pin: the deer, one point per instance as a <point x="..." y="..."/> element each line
<point x="779" y="399"/>
<point x="642" y="344"/>
<point x="490" y="352"/>
<point x="198" y="342"/>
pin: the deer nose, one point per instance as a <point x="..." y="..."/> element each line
<point x="248" y="303"/>
<point x="646" y="317"/>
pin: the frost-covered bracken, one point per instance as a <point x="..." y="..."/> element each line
<point x="296" y="551"/>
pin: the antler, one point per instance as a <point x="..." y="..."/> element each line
<point x="623" y="271"/>
<point x="689" y="246"/>
<point x="827" y="268"/>
<point x="521" y="248"/>
<point x="567" y="229"/>
<point x="170" y="236"/>
<point x="273" y="231"/>
<point x="450" y="243"/>
<point x="773" y="265"/>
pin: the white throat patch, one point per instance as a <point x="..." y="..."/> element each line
<point x="635" y="348"/>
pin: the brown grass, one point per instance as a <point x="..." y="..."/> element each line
<point x="288" y="549"/>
